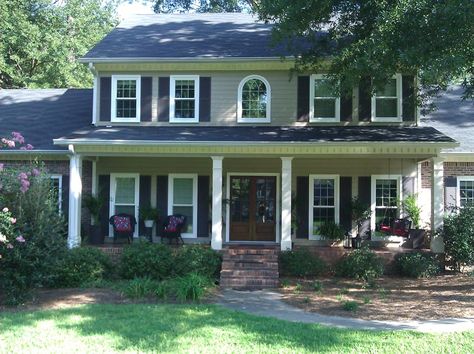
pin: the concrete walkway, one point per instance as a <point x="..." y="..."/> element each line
<point x="269" y="304"/>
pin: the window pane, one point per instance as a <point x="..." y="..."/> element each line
<point x="323" y="192"/>
<point x="188" y="212"/>
<point x="385" y="215"/>
<point x="254" y="99"/>
<point x="183" y="191"/>
<point x="123" y="209"/>
<point x="126" y="88"/>
<point x="322" y="216"/>
<point x="466" y="190"/>
<point x="386" y="107"/>
<point x="390" y="90"/>
<point x="184" y="108"/>
<point x="126" y="108"/>
<point x="125" y="192"/>
<point x="325" y="108"/>
<point x="386" y="193"/>
<point x="323" y="88"/>
<point x="184" y="89"/>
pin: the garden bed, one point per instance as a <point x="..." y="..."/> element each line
<point x="393" y="298"/>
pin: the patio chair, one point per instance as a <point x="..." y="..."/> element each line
<point x="172" y="228"/>
<point x="123" y="225"/>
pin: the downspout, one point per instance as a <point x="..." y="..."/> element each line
<point x="94" y="93"/>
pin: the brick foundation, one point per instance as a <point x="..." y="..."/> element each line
<point x="114" y="252"/>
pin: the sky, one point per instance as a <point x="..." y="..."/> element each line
<point x="136" y="7"/>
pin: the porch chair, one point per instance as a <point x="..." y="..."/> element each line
<point x="123" y="225"/>
<point x="172" y="228"/>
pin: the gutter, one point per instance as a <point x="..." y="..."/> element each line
<point x="34" y="152"/>
<point x="90" y="60"/>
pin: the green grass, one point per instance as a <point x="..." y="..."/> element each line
<point x="198" y="328"/>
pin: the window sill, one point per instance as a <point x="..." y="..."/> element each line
<point x="125" y="120"/>
<point x="254" y="120"/>
<point x="324" y="120"/>
<point x="386" y="120"/>
<point x="184" y="120"/>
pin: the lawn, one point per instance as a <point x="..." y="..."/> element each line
<point x="197" y="328"/>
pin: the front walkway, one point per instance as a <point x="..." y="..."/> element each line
<point x="269" y="304"/>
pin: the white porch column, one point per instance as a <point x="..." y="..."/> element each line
<point x="437" y="204"/>
<point x="285" y="242"/>
<point x="216" y="241"/>
<point x="75" y="194"/>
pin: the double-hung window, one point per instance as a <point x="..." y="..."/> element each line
<point x="386" y="194"/>
<point x="184" y="99"/>
<point x="466" y="191"/>
<point x="324" y="104"/>
<point x="387" y="101"/>
<point x="323" y="202"/>
<point x="182" y="199"/>
<point x="125" y="98"/>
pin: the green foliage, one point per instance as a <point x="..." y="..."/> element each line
<point x="93" y="204"/>
<point x="352" y="306"/>
<point x="298" y="287"/>
<point x="360" y="264"/>
<point x="197" y="259"/>
<point x="139" y="288"/>
<point x="83" y="265"/>
<point x="417" y="265"/>
<point x="42" y="40"/>
<point x="170" y="6"/>
<point x="317" y="286"/>
<point x="148" y="213"/>
<point x="300" y="263"/>
<point x="458" y="235"/>
<point x="411" y="208"/>
<point x="359" y="211"/>
<point x="191" y="287"/>
<point x="332" y="231"/>
<point x="141" y="260"/>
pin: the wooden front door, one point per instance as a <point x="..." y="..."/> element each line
<point x="252" y="208"/>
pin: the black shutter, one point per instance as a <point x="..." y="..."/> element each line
<point x="65" y="196"/>
<point x="203" y="206"/>
<point x="302" y="212"/>
<point x="364" y="197"/>
<point x="146" y="98"/>
<point x="162" y="200"/>
<point x="163" y="99"/>
<point x="346" y="108"/>
<point x="105" y="98"/>
<point x="145" y="199"/>
<point x="365" y="99"/>
<point x="303" y="99"/>
<point x="408" y="98"/>
<point x="450" y="191"/>
<point x="345" y="197"/>
<point x="204" y="99"/>
<point x="104" y="195"/>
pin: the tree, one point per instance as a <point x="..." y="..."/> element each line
<point x="171" y="6"/>
<point x="40" y="40"/>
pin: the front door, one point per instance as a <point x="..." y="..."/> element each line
<point x="252" y="208"/>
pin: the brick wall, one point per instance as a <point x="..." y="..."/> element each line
<point x="451" y="169"/>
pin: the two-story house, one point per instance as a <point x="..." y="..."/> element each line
<point x="198" y="114"/>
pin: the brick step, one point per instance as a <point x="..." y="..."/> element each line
<point x="256" y="251"/>
<point x="246" y="265"/>
<point x="251" y="257"/>
<point x="238" y="283"/>
<point x="247" y="273"/>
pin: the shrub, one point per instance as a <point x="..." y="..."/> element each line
<point x="139" y="288"/>
<point x="458" y="234"/>
<point x="317" y="286"/>
<point x="360" y="264"/>
<point x="417" y="265"/>
<point x="143" y="260"/>
<point x="83" y="265"/>
<point x="350" y="306"/>
<point x="191" y="287"/>
<point x="300" y="263"/>
<point x="197" y="259"/>
<point x="332" y="231"/>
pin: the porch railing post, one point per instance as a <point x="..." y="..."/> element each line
<point x="286" y="203"/>
<point x="216" y="240"/>
<point x="75" y="195"/>
<point x="437" y="204"/>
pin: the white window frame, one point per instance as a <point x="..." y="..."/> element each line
<point x="113" y="183"/>
<point x="312" y="118"/>
<point x="241" y="119"/>
<point x="60" y="190"/>
<point x="173" y="80"/>
<point x="460" y="179"/>
<point x="113" y="111"/>
<point x="193" y="176"/>
<point x="312" y="178"/>
<point x="374" y="179"/>
<point x="398" y="118"/>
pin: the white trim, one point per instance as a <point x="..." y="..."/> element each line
<point x="267" y="119"/>
<point x="113" y="110"/>
<point x="373" y="183"/>
<point x="337" y="102"/>
<point x="60" y="190"/>
<point x="216" y="220"/>
<point x="94" y="99"/>
<point x="172" y="118"/>
<point x="286" y="174"/>
<point x="460" y="179"/>
<point x="398" y="118"/>
<point x="193" y="176"/>
<point x="277" y="214"/>
<point x="113" y="184"/>
<point x="312" y="178"/>
<point x="181" y="59"/>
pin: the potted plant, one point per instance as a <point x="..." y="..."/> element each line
<point x="94" y="205"/>
<point x="332" y="232"/>
<point x="413" y="211"/>
<point x="149" y="215"/>
<point x="360" y="212"/>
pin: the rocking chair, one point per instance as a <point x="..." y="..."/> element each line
<point x="172" y="228"/>
<point x="123" y="225"/>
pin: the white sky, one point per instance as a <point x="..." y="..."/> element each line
<point x="136" y="7"/>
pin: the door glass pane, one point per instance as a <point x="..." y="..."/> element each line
<point x="125" y="190"/>
<point x="188" y="212"/>
<point x="265" y="200"/>
<point x="240" y="199"/>
<point x="125" y="209"/>
<point x="183" y="191"/>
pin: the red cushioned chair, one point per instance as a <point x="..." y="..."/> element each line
<point x="123" y="225"/>
<point x="172" y="228"/>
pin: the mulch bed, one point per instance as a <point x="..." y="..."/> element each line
<point x="393" y="298"/>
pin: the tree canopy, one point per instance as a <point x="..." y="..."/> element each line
<point x="41" y="40"/>
<point x="171" y="6"/>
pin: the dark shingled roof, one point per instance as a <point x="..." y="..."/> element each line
<point x="42" y="115"/>
<point x="224" y="35"/>
<point x="268" y="134"/>
<point x="454" y="117"/>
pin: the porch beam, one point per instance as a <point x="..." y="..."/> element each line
<point x="285" y="242"/>
<point x="216" y="240"/>
<point x="437" y="204"/>
<point x="75" y="195"/>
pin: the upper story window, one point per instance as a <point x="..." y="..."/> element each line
<point x="254" y="100"/>
<point x="184" y="99"/>
<point x="387" y="102"/>
<point x="324" y="104"/>
<point x="125" y="98"/>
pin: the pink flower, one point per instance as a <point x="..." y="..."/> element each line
<point x="5" y="210"/>
<point x="25" y="185"/>
<point x="20" y="239"/>
<point x="35" y="172"/>
<point x="9" y="143"/>
<point x="22" y="175"/>
<point x="18" y="138"/>
<point x="1" y="167"/>
<point x="13" y="220"/>
<point x="29" y="147"/>
<point x="9" y="246"/>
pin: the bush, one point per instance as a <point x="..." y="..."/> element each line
<point x="144" y="260"/>
<point x="300" y="263"/>
<point x="197" y="259"/>
<point x="83" y="265"/>
<point x="332" y="231"/>
<point x="191" y="287"/>
<point x="139" y="288"/>
<point x="360" y="264"/>
<point x="458" y="235"/>
<point x="352" y="306"/>
<point x="417" y="265"/>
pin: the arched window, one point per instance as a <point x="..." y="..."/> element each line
<point x="254" y="100"/>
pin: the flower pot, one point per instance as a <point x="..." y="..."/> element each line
<point x="95" y="235"/>
<point x="149" y="223"/>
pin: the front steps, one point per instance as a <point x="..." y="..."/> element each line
<point x="250" y="267"/>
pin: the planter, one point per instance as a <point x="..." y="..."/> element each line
<point x="417" y="236"/>
<point x="149" y="223"/>
<point x="95" y="235"/>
